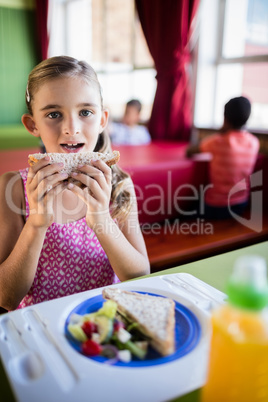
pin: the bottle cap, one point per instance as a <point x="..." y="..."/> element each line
<point x="248" y="286"/>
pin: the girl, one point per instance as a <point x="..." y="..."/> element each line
<point x="57" y="238"/>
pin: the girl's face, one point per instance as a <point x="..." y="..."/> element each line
<point x="67" y="115"/>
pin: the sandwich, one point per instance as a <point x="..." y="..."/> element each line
<point x="71" y="161"/>
<point x="154" y="315"/>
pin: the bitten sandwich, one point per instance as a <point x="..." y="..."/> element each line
<point x="154" y="315"/>
<point x="72" y="160"/>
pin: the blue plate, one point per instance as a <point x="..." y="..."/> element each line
<point x="187" y="334"/>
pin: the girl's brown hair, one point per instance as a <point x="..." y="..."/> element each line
<point x="65" y="66"/>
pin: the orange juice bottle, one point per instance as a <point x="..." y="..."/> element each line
<point x="238" y="363"/>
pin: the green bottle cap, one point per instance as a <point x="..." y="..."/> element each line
<point x="248" y="286"/>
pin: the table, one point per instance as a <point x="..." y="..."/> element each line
<point x="214" y="271"/>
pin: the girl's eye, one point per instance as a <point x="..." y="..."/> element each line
<point x="85" y="113"/>
<point x="53" y="115"/>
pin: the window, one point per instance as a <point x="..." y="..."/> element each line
<point x="233" y="60"/>
<point x="232" y="54"/>
<point x="110" y="38"/>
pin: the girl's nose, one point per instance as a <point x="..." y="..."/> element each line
<point x="71" y="126"/>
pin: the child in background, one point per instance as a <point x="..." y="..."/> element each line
<point x="56" y="238"/>
<point x="129" y="131"/>
<point x="234" y="152"/>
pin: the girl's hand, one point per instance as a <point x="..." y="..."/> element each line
<point x="96" y="192"/>
<point x="44" y="182"/>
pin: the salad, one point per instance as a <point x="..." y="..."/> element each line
<point x="109" y="334"/>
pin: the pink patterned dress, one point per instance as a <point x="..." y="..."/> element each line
<point x="71" y="261"/>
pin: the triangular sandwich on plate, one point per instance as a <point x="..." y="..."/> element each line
<point x="155" y="316"/>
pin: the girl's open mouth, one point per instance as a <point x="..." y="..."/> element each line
<point x="70" y="148"/>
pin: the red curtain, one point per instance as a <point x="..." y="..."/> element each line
<point x="166" y="26"/>
<point x="41" y="25"/>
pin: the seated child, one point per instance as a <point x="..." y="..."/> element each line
<point x="59" y="238"/>
<point x="128" y="131"/>
<point x="234" y="152"/>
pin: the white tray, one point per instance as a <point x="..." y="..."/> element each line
<point x="42" y="366"/>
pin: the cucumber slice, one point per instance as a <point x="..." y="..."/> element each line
<point x="108" y="309"/>
<point x="105" y="327"/>
<point x="77" y="332"/>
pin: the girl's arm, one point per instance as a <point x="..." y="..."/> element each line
<point x="124" y="245"/>
<point x="20" y="242"/>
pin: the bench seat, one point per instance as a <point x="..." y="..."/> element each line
<point x="177" y="243"/>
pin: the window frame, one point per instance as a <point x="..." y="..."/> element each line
<point x="214" y="61"/>
<point x="132" y="65"/>
<point x="232" y="60"/>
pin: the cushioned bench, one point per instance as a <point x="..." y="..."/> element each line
<point x="167" y="184"/>
<point x="15" y="136"/>
<point x="162" y="177"/>
<point x="15" y="146"/>
<point x="176" y="243"/>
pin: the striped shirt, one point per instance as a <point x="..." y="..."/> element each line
<point x="234" y="155"/>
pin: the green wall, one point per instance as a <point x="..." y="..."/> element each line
<point x="17" y="58"/>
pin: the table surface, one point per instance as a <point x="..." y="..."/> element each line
<point x="214" y="271"/>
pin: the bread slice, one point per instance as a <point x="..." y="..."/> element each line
<point x="72" y="160"/>
<point x="155" y="316"/>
